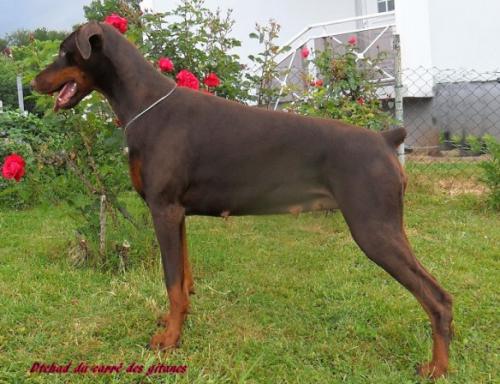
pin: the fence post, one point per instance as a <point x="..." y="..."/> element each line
<point x="102" y="226"/>
<point x="1" y="106"/>
<point x="398" y="92"/>
<point x="20" y="97"/>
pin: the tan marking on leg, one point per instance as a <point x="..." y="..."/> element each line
<point x="438" y="366"/>
<point x="295" y="210"/>
<point x="135" y="175"/>
<point x="179" y="305"/>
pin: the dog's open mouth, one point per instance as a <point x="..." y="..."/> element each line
<point x="66" y="93"/>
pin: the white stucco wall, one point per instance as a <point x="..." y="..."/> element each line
<point x="413" y="26"/>
<point x="465" y="34"/>
<point x="457" y="34"/>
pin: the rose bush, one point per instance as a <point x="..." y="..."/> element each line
<point x="39" y="142"/>
<point x="197" y="40"/>
<point x="345" y="89"/>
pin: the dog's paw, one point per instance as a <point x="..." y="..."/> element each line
<point x="164" y="340"/>
<point x="431" y="371"/>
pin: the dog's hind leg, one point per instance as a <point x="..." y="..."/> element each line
<point x="374" y="216"/>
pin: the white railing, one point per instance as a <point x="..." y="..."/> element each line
<point x="367" y="22"/>
<point x="338" y="31"/>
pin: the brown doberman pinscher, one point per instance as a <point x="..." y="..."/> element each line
<point x="197" y="154"/>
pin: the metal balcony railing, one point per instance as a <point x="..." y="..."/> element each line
<point x="373" y="34"/>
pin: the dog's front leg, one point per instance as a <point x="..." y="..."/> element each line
<point x="168" y="221"/>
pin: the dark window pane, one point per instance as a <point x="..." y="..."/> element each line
<point x="390" y="5"/>
<point x="382" y="6"/>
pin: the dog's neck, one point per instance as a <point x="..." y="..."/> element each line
<point x="134" y="84"/>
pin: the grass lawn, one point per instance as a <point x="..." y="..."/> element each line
<point x="278" y="299"/>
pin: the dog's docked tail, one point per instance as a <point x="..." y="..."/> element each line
<point x="394" y="137"/>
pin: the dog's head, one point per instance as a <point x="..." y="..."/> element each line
<point x="78" y="68"/>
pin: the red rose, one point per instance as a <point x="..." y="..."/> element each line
<point x="187" y="79"/>
<point x="13" y="167"/>
<point x="352" y="40"/>
<point x="360" y="101"/>
<point x="165" y="64"/>
<point x="117" y="21"/>
<point x="211" y="80"/>
<point x="305" y="52"/>
<point x="317" y="83"/>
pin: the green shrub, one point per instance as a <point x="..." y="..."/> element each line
<point x="263" y="81"/>
<point x="492" y="170"/>
<point x="8" y="87"/>
<point x="475" y="144"/>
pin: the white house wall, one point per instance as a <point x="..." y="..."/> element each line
<point x="465" y="34"/>
<point x="413" y="26"/>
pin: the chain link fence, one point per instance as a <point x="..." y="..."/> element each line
<point x="447" y="114"/>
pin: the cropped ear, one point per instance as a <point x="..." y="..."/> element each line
<point x="88" y="36"/>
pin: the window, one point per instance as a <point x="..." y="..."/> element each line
<point x="385" y="5"/>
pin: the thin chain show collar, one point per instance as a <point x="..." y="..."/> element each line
<point x="149" y="108"/>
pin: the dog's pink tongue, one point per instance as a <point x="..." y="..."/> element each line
<point x="65" y="95"/>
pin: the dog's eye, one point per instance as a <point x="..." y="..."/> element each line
<point x="69" y="58"/>
<point x="66" y="56"/>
